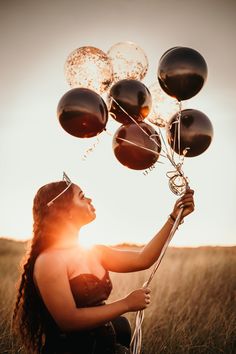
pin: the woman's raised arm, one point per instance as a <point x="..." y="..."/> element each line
<point x="129" y="261"/>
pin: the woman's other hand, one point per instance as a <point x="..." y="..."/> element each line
<point x="186" y="202"/>
<point x="138" y="299"/>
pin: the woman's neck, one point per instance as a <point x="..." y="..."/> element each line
<point x="63" y="244"/>
<point x="68" y="238"/>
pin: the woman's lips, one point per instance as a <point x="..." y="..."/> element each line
<point x="92" y="208"/>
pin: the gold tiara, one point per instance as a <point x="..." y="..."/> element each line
<point x="66" y="179"/>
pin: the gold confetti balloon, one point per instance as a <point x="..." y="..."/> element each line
<point x="163" y="106"/>
<point x="129" y="61"/>
<point x="89" y="67"/>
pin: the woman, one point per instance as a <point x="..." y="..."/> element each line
<point x="60" y="307"/>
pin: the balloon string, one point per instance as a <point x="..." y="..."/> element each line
<point x="160" y="134"/>
<point x="136" y="341"/>
<point x="163" y="140"/>
<point x="166" y="151"/>
<point x="155" y="142"/>
<point x="141" y="147"/>
<point x="134" y="121"/>
<point x="177" y="166"/>
<point x="179" y="124"/>
<point x="177" y="132"/>
<point x="174" y="144"/>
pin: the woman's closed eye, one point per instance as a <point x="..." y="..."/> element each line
<point x="81" y="195"/>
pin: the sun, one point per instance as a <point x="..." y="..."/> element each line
<point x="86" y="242"/>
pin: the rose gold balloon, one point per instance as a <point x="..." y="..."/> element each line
<point x="136" y="146"/>
<point x="128" y="60"/>
<point x="89" y="67"/>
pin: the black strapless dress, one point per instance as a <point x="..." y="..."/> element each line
<point x="111" y="338"/>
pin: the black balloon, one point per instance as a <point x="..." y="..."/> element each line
<point x="135" y="149"/>
<point x="182" y="72"/>
<point x="195" y="131"/>
<point x="82" y="113"/>
<point x="168" y="50"/>
<point x="134" y="97"/>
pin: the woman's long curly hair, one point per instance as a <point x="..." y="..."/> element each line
<point x="30" y="317"/>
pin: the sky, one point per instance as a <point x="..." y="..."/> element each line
<point x="36" y="38"/>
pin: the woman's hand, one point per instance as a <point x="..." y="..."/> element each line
<point x="186" y="202"/>
<point x="138" y="299"/>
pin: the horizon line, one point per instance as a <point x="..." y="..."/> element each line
<point x="131" y="244"/>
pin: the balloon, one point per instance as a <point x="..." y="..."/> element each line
<point x="82" y="113"/>
<point x="135" y="99"/>
<point x="89" y="67"/>
<point x="196" y="133"/>
<point x="129" y="61"/>
<point x="182" y="72"/>
<point x="168" y="50"/>
<point x="134" y="148"/>
<point x="163" y="106"/>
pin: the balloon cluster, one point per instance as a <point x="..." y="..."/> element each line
<point x="181" y="73"/>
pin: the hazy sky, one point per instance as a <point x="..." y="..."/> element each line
<point x="36" y="37"/>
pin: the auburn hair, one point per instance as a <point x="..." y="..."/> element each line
<point x="31" y="320"/>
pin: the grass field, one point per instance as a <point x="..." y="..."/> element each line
<point x="193" y="307"/>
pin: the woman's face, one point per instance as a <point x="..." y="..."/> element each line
<point x="84" y="211"/>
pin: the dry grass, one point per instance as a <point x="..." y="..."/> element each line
<point x="10" y="255"/>
<point x="193" y="300"/>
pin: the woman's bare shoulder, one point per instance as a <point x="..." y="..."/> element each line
<point x="49" y="263"/>
<point x="96" y="250"/>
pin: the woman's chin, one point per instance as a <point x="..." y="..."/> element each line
<point x="92" y="216"/>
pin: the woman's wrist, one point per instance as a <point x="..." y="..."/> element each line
<point x="124" y="304"/>
<point x="173" y="218"/>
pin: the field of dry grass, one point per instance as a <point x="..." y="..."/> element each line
<point x="193" y="307"/>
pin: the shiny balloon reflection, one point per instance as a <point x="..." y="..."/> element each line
<point x="134" y="148"/>
<point x="195" y="131"/>
<point x="182" y="72"/>
<point x="82" y="113"/>
<point x="130" y="96"/>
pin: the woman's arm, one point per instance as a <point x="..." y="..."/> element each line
<point x="130" y="261"/>
<point x="52" y="280"/>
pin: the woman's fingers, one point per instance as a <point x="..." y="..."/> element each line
<point x="186" y="202"/>
<point x="188" y="206"/>
<point x="189" y="191"/>
<point x="147" y="296"/>
<point x="185" y="199"/>
<point x="147" y="291"/>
